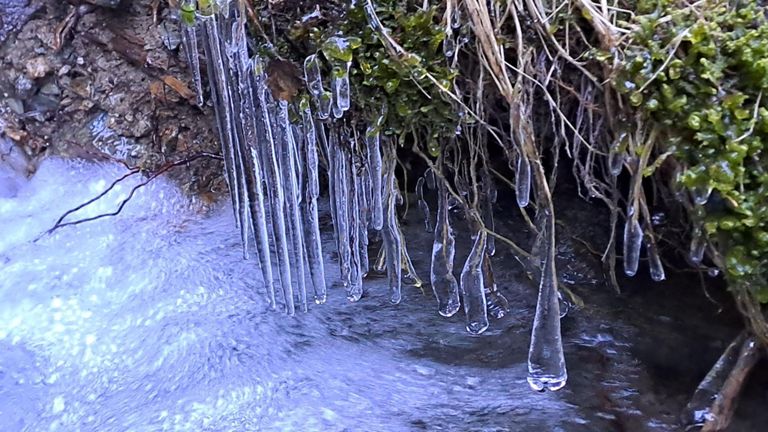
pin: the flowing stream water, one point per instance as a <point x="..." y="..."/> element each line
<point x="152" y="320"/>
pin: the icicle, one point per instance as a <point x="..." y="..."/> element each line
<point x="616" y="154"/>
<point x="488" y="199"/>
<point x="340" y="89"/>
<point x="497" y="304"/>
<point x="373" y="144"/>
<point x="254" y="174"/>
<point x="342" y="188"/>
<point x="380" y="265"/>
<point x="654" y="260"/>
<point x="444" y="283"/>
<point x="313" y="76"/>
<point x="523" y="181"/>
<point x="311" y="223"/>
<point x="698" y="245"/>
<point x="701" y="194"/>
<point x="314" y="81"/>
<point x="546" y="363"/>
<point x="430" y="175"/>
<point x="633" y="240"/>
<point x="709" y="405"/>
<point x="449" y="46"/>
<point x="324" y="105"/>
<point x="456" y="17"/>
<point x="391" y="234"/>
<point x="292" y="198"/>
<point x="189" y="39"/>
<point x="363" y="218"/>
<point x="276" y="194"/>
<point x="423" y="206"/>
<point x="472" y="290"/>
<point x="410" y="271"/>
<point x="219" y="72"/>
<point x="355" y="290"/>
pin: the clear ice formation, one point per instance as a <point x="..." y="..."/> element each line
<point x="373" y="144"/>
<point x="423" y="206"/>
<point x="654" y="259"/>
<point x="473" y="289"/>
<point x="633" y="241"/>
<point x="273" y="151"/>
<point x="189" y="40"/>
<point x="497" y="304"/>
<point x="314" y="246"/>
<point x="705" y="407"/>
<point x="523" y="181"/>
<point x="546" y="362"/>
<point x="391" y="232"/>
<point x="444" y="284"/>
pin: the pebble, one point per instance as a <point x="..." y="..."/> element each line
<point x="38" y="67"/>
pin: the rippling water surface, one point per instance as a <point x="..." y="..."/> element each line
<point x="152" y="321"/>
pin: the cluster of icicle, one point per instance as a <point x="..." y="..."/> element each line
<point x="272" y="166"/>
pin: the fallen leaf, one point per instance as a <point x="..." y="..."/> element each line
<point x="178" y="86"/>
<point x="283" y="79"/>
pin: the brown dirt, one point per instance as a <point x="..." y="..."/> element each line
<point x="117" y="88"/>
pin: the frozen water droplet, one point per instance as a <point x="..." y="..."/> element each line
<point x="523" y="181"/>
<point x="633" y="238"/>
<point x="654" y="260"/>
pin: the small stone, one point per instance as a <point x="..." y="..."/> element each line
<point x="15" y="105"/>
<point x="64" y="70"/>
<point x="24" y="86"/>
<point x="38" y="67"/>
<point x="105" y="3"/>
<point x="50" y="89"/>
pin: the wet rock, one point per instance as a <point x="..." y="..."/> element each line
<point x="38" y="67"/>
<point x="50" y="89"/>
<point x="14" y="14"/>
<point x="15" y="105"/>
<point x="24" y="86"/>
<point x="105" y="3"/>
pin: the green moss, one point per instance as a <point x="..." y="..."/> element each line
<point x="705" y="99"/>
<point x="413" y="106"/>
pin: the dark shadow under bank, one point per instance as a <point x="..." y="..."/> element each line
<point x="634" y="358"/>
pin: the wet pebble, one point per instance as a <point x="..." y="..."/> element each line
<point x="38" y="67"/>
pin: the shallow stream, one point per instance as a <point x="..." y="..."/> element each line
<point x="151" y="320"/>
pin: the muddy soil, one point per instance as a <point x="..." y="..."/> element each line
<point x="113" y="87"/>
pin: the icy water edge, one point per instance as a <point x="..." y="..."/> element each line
<point x="152" y="321"/>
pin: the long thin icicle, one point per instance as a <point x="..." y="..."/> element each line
<point x="391" y="234"/>
<point x="498" y="306"/>
<point x="189" y="40"/>
<point x="443" y="281"/>
<point x="276" y="192"/>
<point x="423" y="206"/>
<point x="254" y="174"/>
<point x="290" y="181"/>
<point x="523" y="181"/>
<point x="472" y="289"/>
<point x="342" y="186"/>
<point x="355" y="290"/>
<point x="373" y="143"/>
<point x="311" y="223"/>
<point x="216" y="72"/>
